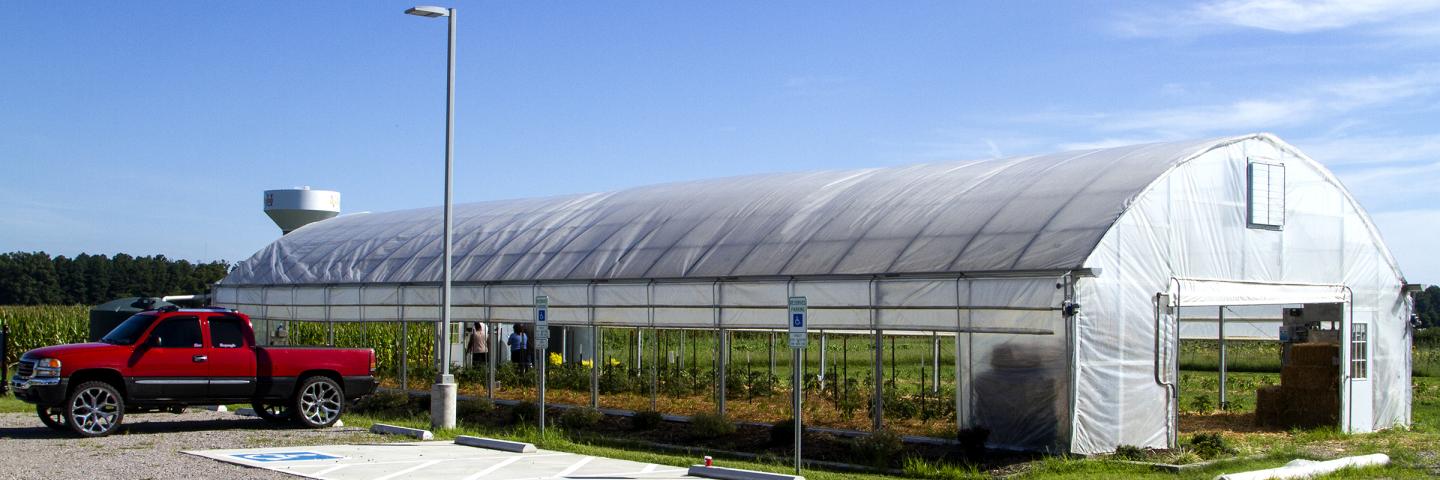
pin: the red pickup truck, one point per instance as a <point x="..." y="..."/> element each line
<point x="169" y="358"/>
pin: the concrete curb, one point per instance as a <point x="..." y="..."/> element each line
<point x="397" y="430"/>
<point x="246" y="412"/>
<point x="493" y="444"/>
<point x="215" y="408"/>
<point x="722" y="473"/>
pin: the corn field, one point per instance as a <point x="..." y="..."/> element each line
<point x="42" y="325"/>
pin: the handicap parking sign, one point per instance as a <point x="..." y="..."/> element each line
<point x="797" y="320"/>
<point x="284" y="456"/>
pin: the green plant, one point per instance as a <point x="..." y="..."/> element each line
<point x="711" y="425"/>
<point x="1201" y="403"/>
<point x="384" y="404"/>
<point x="1183" y="457"/>
<point x="916" y="467"/>
<point x="880" y="449"/>
<point x="475" y="408"/>
<point x="1129" y="452"/>
<point x="1210" y="445"/>
<point x="646" y="420"/>
<point x="524" y="412"/>
<point x="783" y="432"/>
<point x="580" y="418"/>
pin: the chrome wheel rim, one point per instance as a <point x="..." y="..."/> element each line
<point x="94" y="410"/>
<point x="320" y="403"/>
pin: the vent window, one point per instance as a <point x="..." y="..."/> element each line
<point x="1267" y="195"/>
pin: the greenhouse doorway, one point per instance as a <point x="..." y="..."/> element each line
<point x="1241" y="357"/>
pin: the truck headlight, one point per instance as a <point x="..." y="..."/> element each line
<point x="47" y="367"/>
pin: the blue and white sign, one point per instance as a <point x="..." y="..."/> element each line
<point x="799" y="323"/>
<point x="542" y="326"/>
<point x="284" y="456"/>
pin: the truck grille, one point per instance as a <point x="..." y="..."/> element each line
<point x="26" y="369"/>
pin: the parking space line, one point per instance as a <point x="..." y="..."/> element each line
<point x="493" y="468"/>
<point x="649" y="468"/>
<point x="331" y="469"/>
<point x="573" y="468"/>
<point x="408" y="470"/>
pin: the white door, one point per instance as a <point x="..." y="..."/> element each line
<point x="1357" y="389"/>
<point x="1167" y="361"/>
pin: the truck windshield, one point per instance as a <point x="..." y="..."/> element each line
<point x="129" y="331"/>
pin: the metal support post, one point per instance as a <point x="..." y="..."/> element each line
<point x="823" y="339"/>
<point x="720" y="362"/>
<point x="1224" y="401"/>
<point x="879" y="400"/>
<point x="404" y="361"/>
<point x="796" y="393"/>
<point x="540" y="353"/>
<point x="595" y="365"/>
<point x="492" y="336"/>
<point x="935" y="381"/>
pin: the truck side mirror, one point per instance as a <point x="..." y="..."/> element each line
<point x="153" y="341"/>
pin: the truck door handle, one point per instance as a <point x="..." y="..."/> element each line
<point x="199" y="358"/>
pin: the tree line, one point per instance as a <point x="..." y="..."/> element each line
<point x="36" y="278"/>
<point x="1427" y="306"/>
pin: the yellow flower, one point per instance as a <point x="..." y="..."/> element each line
<point x="587" y="363"/>
<point x="555" y="359"/>
<point x="614" y="362"/>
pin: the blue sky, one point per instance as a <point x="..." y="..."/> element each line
<point x="153" y="128"/>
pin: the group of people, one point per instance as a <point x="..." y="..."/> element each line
<point x="519" y="343"/>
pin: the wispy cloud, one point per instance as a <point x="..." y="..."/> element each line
<point x="1303" y="106"/>
<point x="1394" y="17"/>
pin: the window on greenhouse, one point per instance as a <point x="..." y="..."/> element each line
<point x="1267" y="195"/>
<point x="1359" y="351"/>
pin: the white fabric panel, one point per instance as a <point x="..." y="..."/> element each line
<point x="847" y="293"/>
<point x="467" y="295"/>
<point x="417" y="295"/>
<point x="626" y="294"/>
<point x="380" y="295"/>
<point x="1191" y="293"/>
<point x="512" y="295"/>
<point x="347" y="295"/>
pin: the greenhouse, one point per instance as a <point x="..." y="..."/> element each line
<point x="1035" y="297"/>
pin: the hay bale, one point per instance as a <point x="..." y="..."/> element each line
<point x="1303" y="377"/>
<point x="1269" y="403"/>
<point x="1310" y="408"/>
<point x="1314" y="354"/>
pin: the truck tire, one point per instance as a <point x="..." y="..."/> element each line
<point x="94" y="409"/>
<point x="53" y="417"/>
<point x="318" y="402"/>
<point x="273" y="412"/>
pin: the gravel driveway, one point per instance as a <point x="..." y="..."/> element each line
<point x="148" y="446"/>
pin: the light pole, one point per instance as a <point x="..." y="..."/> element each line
<point x="442" y="395"/>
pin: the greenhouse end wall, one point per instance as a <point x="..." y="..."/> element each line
<point x="1192" y="224"/>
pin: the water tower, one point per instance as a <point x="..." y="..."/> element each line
<point x="297" y="207"/>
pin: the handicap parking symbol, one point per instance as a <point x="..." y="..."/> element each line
<point x="797" y="320"/>
<point x="284" y="456"/>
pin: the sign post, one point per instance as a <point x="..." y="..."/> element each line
<point x="542" y="342"/>
<point x="798" y="320"/>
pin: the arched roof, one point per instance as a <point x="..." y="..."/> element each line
<point x="1044" y="212"/>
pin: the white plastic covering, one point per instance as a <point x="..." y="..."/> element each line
<point x="982" y="248"/>
<point x="1191" y="224"/>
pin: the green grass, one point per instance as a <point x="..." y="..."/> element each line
<point x="10" y="404"/>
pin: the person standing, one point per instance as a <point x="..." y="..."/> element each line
<point x="478" y="346"/>
<point x="518" y="343"/>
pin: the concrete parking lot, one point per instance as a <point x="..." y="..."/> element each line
<point x="435" y="460"/>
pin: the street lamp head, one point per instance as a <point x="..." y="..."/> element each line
<point x="427" y="11"/>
